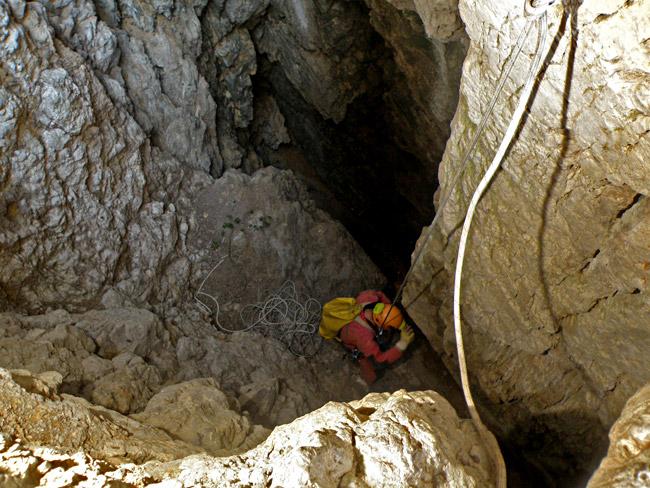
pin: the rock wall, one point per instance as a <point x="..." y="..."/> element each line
<point x="97" y="211"/>
<point x="88" y="204"/>
<point x="628" y="458"/>
<point x="145" y="55"/>
<point x="367" y="97"/>
<point x="555" y="302"/>
<point x="428" y="43"/>
<point x="324" y="49"/>
<point x="361" y="443"/>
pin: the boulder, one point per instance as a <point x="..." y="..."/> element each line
<point x="199" y="413"/>
<point x="399" y="439"/>
<point x="357" y="444"/>
<point x="627" y="463"/>
<point x="127" y="389"/>
<point x="29" y="413"/>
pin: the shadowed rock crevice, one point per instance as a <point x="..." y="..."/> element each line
<point x="367" y="119"/>
<point x="354" y="170"/>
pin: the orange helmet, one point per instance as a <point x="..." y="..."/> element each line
<point x="387" y="316"/>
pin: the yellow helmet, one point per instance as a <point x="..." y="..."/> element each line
<point x="387" y="316"/>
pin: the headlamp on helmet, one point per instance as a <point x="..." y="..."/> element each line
<point x="386" y="315"/>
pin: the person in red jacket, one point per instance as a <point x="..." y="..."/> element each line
<point x="361" y="334"/>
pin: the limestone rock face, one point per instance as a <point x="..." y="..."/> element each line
<point x="555" y="303"/>
<point x="364" y="443"/>
<point x="98" y="204"/>
<point x="145" y="54"/>
<point x="356" y="444"/>
<point x="628" y="460"/>
<point x="37" y="420"/>
<point x="25" y="467"/>
<point x="429" y="46"/>
<point x="265" y="229"/>
<point x="79" y="190"/>
<point x="227" y="61"/>
<point x="94" y="354"/>
<point x="98" y="365"/>
<point x="199" y="413"/>
<point x="323" y="48"/>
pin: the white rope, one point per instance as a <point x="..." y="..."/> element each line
<point x="494" y="166"/>
<point x="510" y="63"/>
<point x="538" y="7"/>
<point x="288" y="317"/>
<point x="284" y="315"/>
<point x="203" y="306"/>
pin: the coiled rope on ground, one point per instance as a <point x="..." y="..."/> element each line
<point x="285" y="314"/>
<point x="289" y="317"/>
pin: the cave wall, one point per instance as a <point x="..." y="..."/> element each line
<point x="555" y="300"/>
<point x="428" y="45"/>
<point x="82" y="207"/>
<point x="367" y="92"/>
<point x="99" y="198"/>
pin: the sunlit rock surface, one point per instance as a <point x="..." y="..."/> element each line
<point x="628" y="460"/>
<point x="555" y="299"/>
<point x="71" y="424"/>
<point x="403" y="439"/>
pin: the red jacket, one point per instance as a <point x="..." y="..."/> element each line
<point x="361" y="336"/>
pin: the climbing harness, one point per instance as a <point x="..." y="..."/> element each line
<point x="537" y="9"/>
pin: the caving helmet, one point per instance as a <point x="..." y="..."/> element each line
<point x="386" y="316"/>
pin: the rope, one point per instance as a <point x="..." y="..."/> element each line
<point x="512" y="58"/>
<point x="287" y="317"/>
<point x="203" y="306"/>
<point x="534" y="8"/>
<point x="494" y="166"/>
<point x="284" y="315"/>
<point x="538" y="10"/>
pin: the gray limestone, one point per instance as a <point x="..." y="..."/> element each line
<point x="555" y="301"/>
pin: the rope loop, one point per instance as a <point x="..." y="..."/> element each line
<point x="285" y="315"/>
<point x="538" y="7"/>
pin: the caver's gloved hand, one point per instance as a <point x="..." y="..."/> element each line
<point x="406" y="336"/>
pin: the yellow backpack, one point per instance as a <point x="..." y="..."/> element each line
<point x="336" y="314"/>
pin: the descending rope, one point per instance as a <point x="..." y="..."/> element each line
<point x="540" y="12"/>
<point x="512" y="58"/>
